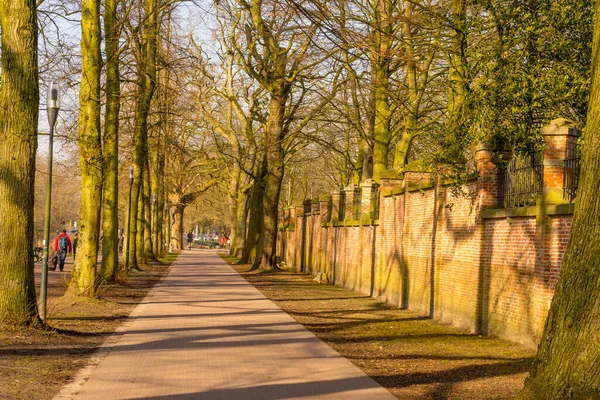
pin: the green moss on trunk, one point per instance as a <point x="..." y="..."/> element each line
<point x="110" y="147"/>
<point x="567" y="365"/>
<point x="19" y="98"/>
<point x="255" y="218"/>
<point x="275" y="166"/>
<point x="83" y="277"/>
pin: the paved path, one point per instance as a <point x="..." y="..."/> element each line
<point x="205" y="333"/>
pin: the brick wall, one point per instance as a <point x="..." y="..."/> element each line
<point x="452" y="257"/>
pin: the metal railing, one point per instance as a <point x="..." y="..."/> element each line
<point x="521" y="182"/>
<point x="572" y="170"/>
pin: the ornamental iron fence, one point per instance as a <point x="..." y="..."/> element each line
<point x="572" y="172"/>
<point x="521" y="182"/>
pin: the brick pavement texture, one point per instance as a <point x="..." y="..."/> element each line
<point x="205" y="333"/>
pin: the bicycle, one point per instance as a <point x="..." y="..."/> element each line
<point x="37" y="254"/>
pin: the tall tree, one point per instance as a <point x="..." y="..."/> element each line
<point x="83" y="278"/>
<point x="145" y="53"/>
<point x="159" y="157"/>
<point x="567" y="364"/>
<point x="110" y="193"/>
<point x="230" y="103"/>
<point x="281" y="53"/>
<point x="19" y="98"/>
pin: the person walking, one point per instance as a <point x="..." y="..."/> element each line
<point x="62" y="246"/>
<point x="121" y="240"/>
<point x="74" y="245"/>
<point x="190" y="238"/>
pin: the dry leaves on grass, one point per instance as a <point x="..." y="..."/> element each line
<point x="35" y="364"/>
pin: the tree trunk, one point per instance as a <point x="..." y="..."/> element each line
<point x="255" y="218"/>
<point x="381" y="128"/>
<point x="160" y="239"/>
<point x="274" y="153"/>
<point x="83" y="277"/>
<point x="148" y="254"/>
<point x="146" y="76"/>
<point x="238" y="209"/>
<point x="110" y="193"/>
<point x="162" y="199"/>
<point x="381" y="76"/>
<point x="133" y="226"/>
<point x="457" y="71"/>
<point x="402" y="150"/>
<point x="239" y="238"/>
<point x="177" y="227"/>
<point x="19" y="98"/>
<point x="567" y="365"/>
<point x="156" y="204"/>
<point x="162" y="223"/>
<point x="139" y="239"/>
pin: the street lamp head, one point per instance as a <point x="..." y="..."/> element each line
<point x="53" y="103"/>
<point x="53" y="99"/>
<point x="131" y="175"/>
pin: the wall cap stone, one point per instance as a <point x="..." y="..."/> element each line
<point x="560" y="127"/>
<point x="368" y="183"/>
<point x="470" y="177"/>
<point x="392" y="192"/>
<point x="391" y="174"/>
<point x="531" y="211"/>
<point x="416" y="187"/>
<point x="350" y="223"/>
<point x="484" y="145"/>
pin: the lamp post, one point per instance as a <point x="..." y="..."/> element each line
<point x="128" y="227"/>
<point x="52" y="107"/>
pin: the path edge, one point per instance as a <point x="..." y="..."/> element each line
<point x="71" y="389"/>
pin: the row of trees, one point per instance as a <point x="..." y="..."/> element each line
<point x="374" y="85"/>
<point x="103" y="90"/>
<point x="325" y="93"/>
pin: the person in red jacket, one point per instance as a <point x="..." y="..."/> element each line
<point x="62" y="246"/>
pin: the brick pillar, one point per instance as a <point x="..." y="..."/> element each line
<point x="488" y="176"/>
<point x="299" y="211"/>
<point x="315" y="207"/>
<point x="369" y="192"/>
<point x="559" y="136"/>
<point x="286" y="217"/>
<point x="325" y="208"/>
<point x="335" y="205"/>
<point x="349" y="203"/>
<point x="292" y="217"/>
<point x="306" y="207"/>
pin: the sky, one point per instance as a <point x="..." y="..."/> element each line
<point x="60" y="22"/>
